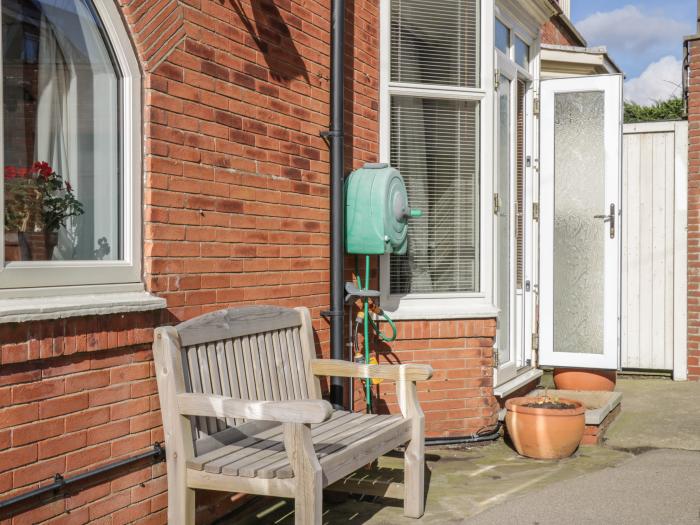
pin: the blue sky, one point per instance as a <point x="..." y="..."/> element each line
<point x="645" y="38"/>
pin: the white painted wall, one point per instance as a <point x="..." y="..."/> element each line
<point x="654" y="252"/>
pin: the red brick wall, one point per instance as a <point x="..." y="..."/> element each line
<point x="74" y="394"/>
<point x="236" y="212"/>
<point x="555" y="32"/>
<point x="458" y="400"/>
<point x="694" y="212"/>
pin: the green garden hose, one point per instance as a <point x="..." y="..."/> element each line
<point x="368" y="382"/>
<point x="365" y="325"/>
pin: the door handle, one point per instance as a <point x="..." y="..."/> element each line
<point x="609" y="218"/>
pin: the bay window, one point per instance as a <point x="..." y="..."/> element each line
<point x="71" y="150"/>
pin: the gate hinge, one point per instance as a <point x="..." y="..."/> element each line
<point x="535" y="341"/>
<point x="536" y="211"/>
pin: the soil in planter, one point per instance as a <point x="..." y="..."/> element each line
<point x="551" y="404"/>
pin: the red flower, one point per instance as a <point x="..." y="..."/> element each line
<point x="10" y="172"/>
<point x="43" y="169"/>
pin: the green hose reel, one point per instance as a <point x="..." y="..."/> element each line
<point x="376" y="222"/>
<point x="376" y="211"/>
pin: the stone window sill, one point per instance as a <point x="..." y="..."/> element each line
<point x="19" y="310"/>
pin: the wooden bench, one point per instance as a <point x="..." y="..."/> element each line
<point x="242" y="412"/>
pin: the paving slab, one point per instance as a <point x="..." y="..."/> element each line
<point x="657" y="487"/>
<point x="656" y="413"/>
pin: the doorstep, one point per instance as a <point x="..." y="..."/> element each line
<point x="601" y="410"/>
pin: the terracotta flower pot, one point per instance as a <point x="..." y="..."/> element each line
<point x="544" y="433"/>
<point x="585" y="379"/>
<point x="30" y="246"/>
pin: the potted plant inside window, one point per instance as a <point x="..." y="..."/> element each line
<point x="545" y="427"/>
<point x="38" y="202"/>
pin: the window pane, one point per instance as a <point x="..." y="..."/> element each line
<point x="435" y="145"/>
<point x="520" y="184"/>
<point x="522" y="53"/>
<point x="503" y="219"/>
<point x="502" y="37"/>
<point x="435" y="42"/>
<point x="61" y="146"/>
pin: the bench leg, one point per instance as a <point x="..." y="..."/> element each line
<point x="181" y="507"/>
<point x="308" y="499"/>
<point x="414" y="457"/>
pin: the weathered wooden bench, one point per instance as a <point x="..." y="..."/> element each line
<point x="242" y="412"/>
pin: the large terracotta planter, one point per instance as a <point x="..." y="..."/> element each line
<point x="585" y="379"/>
<point x="544" y="433"/>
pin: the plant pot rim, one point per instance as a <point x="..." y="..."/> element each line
<point x="516" y="405"/>
<point x="584" y="369"/>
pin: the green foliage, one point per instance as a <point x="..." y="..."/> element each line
<point x="671" y="109"/>
<point x="38" y="199"/>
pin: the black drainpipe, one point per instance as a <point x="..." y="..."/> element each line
<point x="337" y="144"/>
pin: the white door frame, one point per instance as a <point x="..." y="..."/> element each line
<point x="520" y="301"/>
<point x="611" y="85"/>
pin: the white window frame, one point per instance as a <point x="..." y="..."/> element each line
<point x="58" y="278"/>
<point x="445" y="305"/>
<point x="521" y="352"/>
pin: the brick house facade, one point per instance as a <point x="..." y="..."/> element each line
<point x="236" y="211"/>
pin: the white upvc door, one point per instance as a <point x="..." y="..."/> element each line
<point x="580" y="221"/>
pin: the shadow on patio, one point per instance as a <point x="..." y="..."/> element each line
<point x="465" y="482"/>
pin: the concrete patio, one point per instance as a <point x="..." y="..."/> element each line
<point x="647" y="472"/>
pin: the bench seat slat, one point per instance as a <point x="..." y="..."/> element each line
<point x="265" y="456"/>
<point x="255" y="443"/>
<point x="340" y="443"/>
<point x="277" y="453"/>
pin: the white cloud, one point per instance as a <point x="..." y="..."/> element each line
<point x="659" y="81"/>
<point x="628" y="29"/>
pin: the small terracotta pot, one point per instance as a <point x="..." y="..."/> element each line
<point x="30" y="246"/>
<point x="585" y="379"/>
<point x="544" y="433"/>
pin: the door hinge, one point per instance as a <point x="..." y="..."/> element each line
<point x="496" y="79"/>
<point x="536" y="106"/>
<point x="496" y="362"/>
<point x="536" y="211"/>
<point x="496" y="203"/>
<point x="535" y="341"/>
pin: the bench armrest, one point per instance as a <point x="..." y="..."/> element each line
<point x="338" y="368"/>
<point x="210" y="405"/>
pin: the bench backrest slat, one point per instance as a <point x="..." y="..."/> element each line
<point x="254" y="353"/>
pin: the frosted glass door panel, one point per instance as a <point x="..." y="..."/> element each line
<point x="579" y="195"/>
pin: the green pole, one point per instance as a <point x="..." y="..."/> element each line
<point x="368" y="382"/>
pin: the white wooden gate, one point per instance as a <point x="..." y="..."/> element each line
<point x="654" y="253"/>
